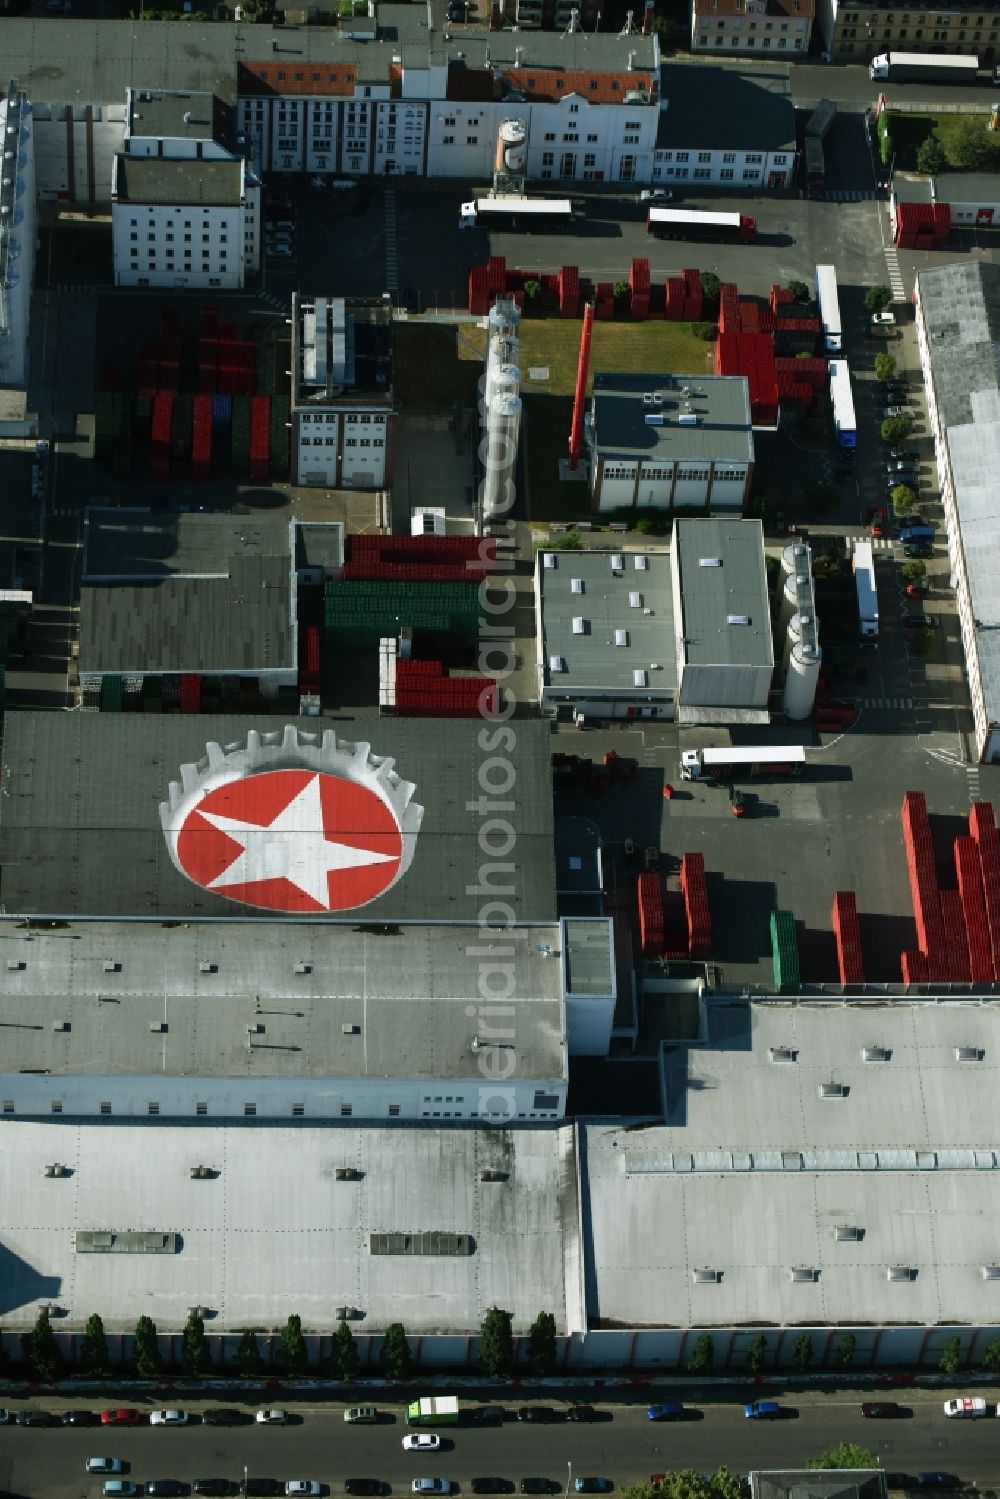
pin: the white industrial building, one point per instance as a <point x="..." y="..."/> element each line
<point x="185" y="203"/>
<point x="958" y="332"/>
<point x="726" y="127"/>
<point x="683" y="635"/>
<point x="342" y="404"/>
<point x="17" y="234"/>
<point x="676" y="443"/>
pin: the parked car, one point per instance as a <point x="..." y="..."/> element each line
<point x="163" y="1487"/>
<point x="896" y="1480"/>
<point x="271" y="1418"/>
<point x="882" y="1410"/>
<point x="361" y="1415"/>
<point x="656" y="195"/>
<point x="120" y="1488"/>
<point x="936" y="1480"/>
<point x="582" y="1413"/>
<point x="225" y="1416"/>
<point x="422" y="1441"/>
<point x="926" y="622"/>
<point x="169" y="1418"/>
<point x="364" y="1486"/>
<point x="279" y="252"/>
<point x="902" y="466"/>
<point x="430" y="1486"/>
<point x="491" y="1486"/>
<point x="78" y="1418"/>
<point x="105" y="1465"/>
<point x="538" y="1486"/>
<point x="34" y="1418"/>
<point x="213" y="1487"/>
<point x="262" y="1488"/>
<point x="762" y="1410"/>
<point x="876" y="520"/>
<point x="7" y="1417"/>
<point x="488" y="1415"/>
<point x="671" y="1411"/>
<point x="593" y="1485"/>
<point x="883" y="320"/>
<point x="968" y="1405"/>
<point x="123" y="1415"/>
<point x="908" y="455"/>
<point x="922" y="549"/>
<point x="297" y="1487"/>
<point x="537" y="1413"/>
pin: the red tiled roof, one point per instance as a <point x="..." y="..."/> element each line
<point x="297" y="78"/>
<point x="551" y="84"/>
<point x="793" y="10"/>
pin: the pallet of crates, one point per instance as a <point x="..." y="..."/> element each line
<point x="784" y="948"/>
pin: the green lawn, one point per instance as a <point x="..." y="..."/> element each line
<point x="909" y="131"/>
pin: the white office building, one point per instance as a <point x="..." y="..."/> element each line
<point x="17" y="234"/>
<point x="342" y="409"/>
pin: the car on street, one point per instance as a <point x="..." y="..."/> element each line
<point x="907" y="455"/>
<point x="120" y="1488"/>
<point x="582" y="1413"/>
<point x="422" y="1441"/>
<point x="882" y="1410"/>
<point x="279" y="252"/>
<point x="105" y="1465"/>
<point x="762" y="1410"/>
<point x="169" y="1418"/>
<point x="901" y="466"/>
<point x="122" y="1415"/>
<point x="299" y="1488"/>
<point x="34" y="1418"/>
<point x="876" y="520"/>
<point x="883" y="320"/>
<point x="656" y="195"/>
<point x="937" y="1480"/>
<point x="967" y="1405"/>
<point x="491" y="1486"/>
<point x="261" y="1488"/>
<point x="888" y="412"/>
<point x="225" y="1416"/>
<point x="7" y="1417"/>
<point x="537" y="1413"/>
<point x="593" y="1485"/>
<point x="926" y="622"/>
<point x="361" y="1415"/>
<point x="538" y="1486"/>
<point x="78" y="1418"/>
<point x="161" y="1488"/>
<point x="364" y="1486"/>
<point x="922" y="549"/>
<point x="271" y="1418"/>
<point x="430" y="1486"/>
<point x="673" y="1410"/>
<point x="214" y="1488"/>
<point x="488" y="1415"/>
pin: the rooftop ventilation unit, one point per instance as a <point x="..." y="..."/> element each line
<point x="617" y="562"/>
<point x="709" y="561"/>
<point x="157" y="1027"/>
<point x="640" y="564"/>
<point x="648" y="398"/>
<point x="15" y="964"/>
<point x="655" y="419"/>
<point x="303" y="968"/>
<point x="201" y="1174"/>
<point x="899" y="1272"/>
<point x="638" y="677"/>
<point x="784" y="1054"/>
<point x="635" y="600"/>
<point x="688" y="419"/>
<point x="489" y="1175"/>
<point x="875" y="1053"/>
<point x="579" y="625"/>
<point x="57" y="1169"/>
<point x="348" y="1174"/>
<point x="548" y="559"/>
<point x="738" y="619"/>
<point x="576" y="585"/>
<point x="800" y="1274"/>
<point x="111" y="965"/>
<point x="621" y="637"/>
<point x="349" y="1314"/>
<point x="833" y="1090"/>
<point x="706" y="1277"/>
<point x="351" y="1030"/>
<point x="990" y="1272"/>
<point x="207" y="967"/>
<point x="848" y="1233"/>
<point x="969" y="1054"/>
<point x="557" y="663"/>
<point x="256" y="1029"/>
<point x="63" y="1025"/>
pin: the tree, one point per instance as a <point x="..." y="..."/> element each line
<point x="951" y="1356"/>
<point x="256" y="10"/>
<point x="877" y="298"/>
<point x="292" y="1352"/>
<point x="710" y="285"/>
<point x="845" y="1455"/>
<point x="922" y="641"/>
<point x="622" y="291"/>
<point x="248" y="1359"/>
<point x="706" y="331"/>
<point x="532" y="290"/>
<point x="971" y="146"/>
<point x="728" y="1485"/>
<point x="991" y="1356"/>
<point x="684" y="1484"/>
<point x="800" y="291"/>
<point x="904" y="499"/>
<point x="94" y="1349"/>
<point x="396" y="1358"/>
<point x="702" y="1355"/>
<point x="41" y="1351"/>
<point x="896" y="429"/>
<point x="845" y="1350"/>
<point x="802" y="1352"/>
<point x="885" y="366"/>
<point x="756" y="1356"/>
<point x="915" y="571"/>
<point x="196" y="1356"/>
<point x="542" y="1345"/>
<point x="344" y="1357"/>
<point x="496" y="1344"/>
<point x="821" y="499"/>
<point x="146" y="1349"/>
<point x="930" y="156"/>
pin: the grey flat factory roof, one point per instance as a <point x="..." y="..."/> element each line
<point x="967" y="187"/>
<point x="757" y="1174"/>
<point x="712" y="107"/>
<point x="319" y="544"/>
<point x="960" y="305"/>
<point x="725" y="610"/>
<point x="165" y="592"/>
<point x="155" y="179"/>
<point x="76" y="61"/>
<point x="591" y="659"/>
<point x="412" y="997"/>
<point x="82" y="834"/>
<point x="845" y="1483"/>
<point x="177" y="114"/>
<point x="588" y="956"/>
<point x="254" y="1251"/>
<point x="717" y="408"/>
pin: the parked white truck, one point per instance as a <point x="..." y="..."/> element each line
<point x="863" y="563"/>
<point x="924" y="67"/>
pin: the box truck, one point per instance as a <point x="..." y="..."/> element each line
<point x="924" y="67"/>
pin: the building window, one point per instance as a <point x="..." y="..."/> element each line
<point x="106" y="1108"/>
<point x="683" y="156"/>
<point x="152" y="1108"/>
<point x="249" y="1109"/>
<point x="56" y="1106"/>
<point x="346" y="1110"/>
<point x="704" y="156"/>
<point x="8" y="1106"/>
<point x="394" y="1111"/>
<point x="201" y="1108"/>
<point x="726" y="175"/>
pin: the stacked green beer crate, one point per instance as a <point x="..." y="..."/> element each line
<point x="241" y="434"/>
<point x="267" y="369"/>
<point x="104" y="424"/>
<point x="111" y="693"/>
<point x="358" y="613"/>
<point x="280" y="419"/>
<point x="152" y="694"/>
<point x="784" y="948"/>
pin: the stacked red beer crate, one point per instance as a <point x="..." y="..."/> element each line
<point x="423" y="691"/>
<point x="695" y="890"/>
<point x="956" y="942"/>
<point x="201" y="442"/>
<point x="419" y="559"/>
<point x="970" y="892"/>
<point x="309" y="647"/>
<point x="914" y="967"/>
<point x="569" y="291"/>
<point x="847" y="932"/>
<point x="982" y="826"/>
<point x="650" y="895"/>
<point x="163" y="416"/>
<point x="260" y="438"/>
<point x="923" y="883"/>
<point x="190" y="693"/>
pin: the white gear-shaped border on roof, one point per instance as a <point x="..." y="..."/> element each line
<point x="293" y="749"/>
